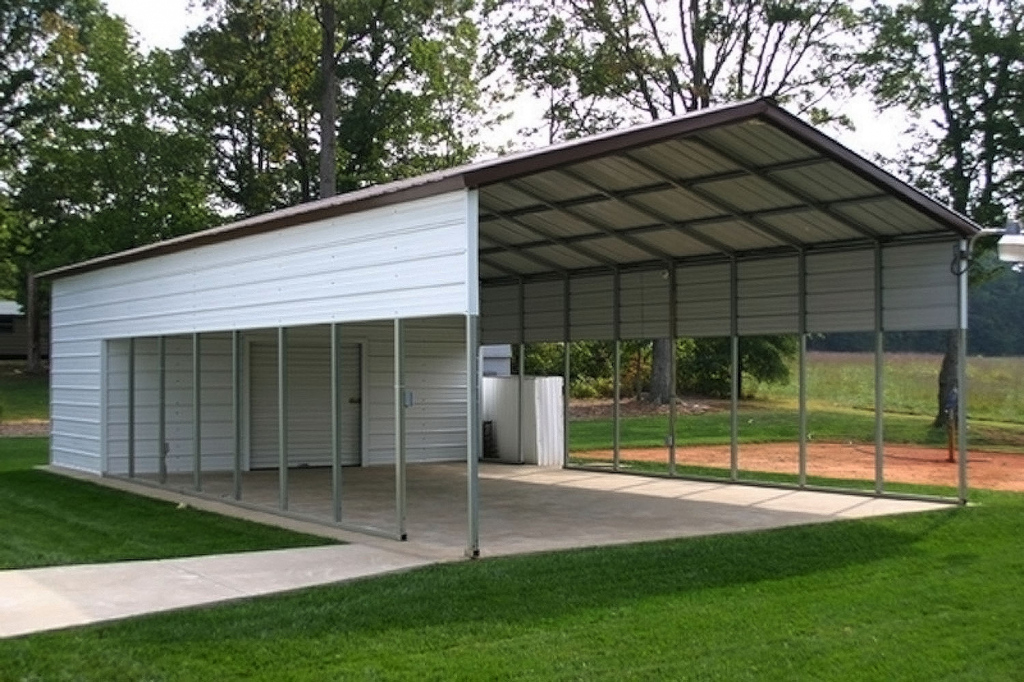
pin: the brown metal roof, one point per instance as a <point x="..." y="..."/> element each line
<point x="734" y="180"/>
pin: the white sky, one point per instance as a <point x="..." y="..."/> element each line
<point x="162" y="23"/>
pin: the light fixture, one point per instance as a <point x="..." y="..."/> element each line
<point x="1011" y="244"/>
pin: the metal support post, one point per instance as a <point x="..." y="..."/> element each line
<point x="802" y="325"/>
<point x="672" y="323"/>
<point x="879" y="375"/>
<point x="336" y="422"/>
<point x="734" y="371"/>
<point x="282" y="418"/>
<point x="197" y="414"/>
<point x="131" y="408"/>
<point x="400" y="454"/>
<point x="566" y="372"/>
<point x="236" y="412"/>
<point x="617" y="380"/>
<point x="161" y="409"/>
<point x="521" y="453"/>
<point x="474" y="436"/>
<point x="961" y="371"/>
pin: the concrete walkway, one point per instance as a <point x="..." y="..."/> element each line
<point x="37" y="599"/>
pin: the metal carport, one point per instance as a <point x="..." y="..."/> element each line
<point x="726" y="222"/>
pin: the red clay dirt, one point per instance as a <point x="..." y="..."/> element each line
<point x="903" y="463"/>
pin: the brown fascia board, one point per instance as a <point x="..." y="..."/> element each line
<point x="869" y="171"/>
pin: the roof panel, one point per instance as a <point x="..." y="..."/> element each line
<point x="614" y="214"/>
<point x="750" y="193"/>
<point x="676" y="242"/>
<point x="619" y="251"/>
<point x="826" y="182"/>
<point x="554" y="186"/>
<point x="810" y="226"/>
<point x="503" y="198"/>
<point x="557" y="223"/>
<point x="758" y="143"/>
<point x="566" y="256"/>
<point x="677" y="204"/>
<point x="888" y="217"/>
<point x="738" y="236"/>
<point x="616" y="174"/>
<point x="684" y="159"/>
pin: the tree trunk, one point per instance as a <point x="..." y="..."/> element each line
<point x="33" y="354"/>
<point x="661" y="371"/>
<point x="328" y="102"/>
<point x="947" y="378"/>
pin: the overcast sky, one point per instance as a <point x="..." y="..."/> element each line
<point x="162" y="23"/>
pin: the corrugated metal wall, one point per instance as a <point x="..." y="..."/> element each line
<point x="415" y="259"/>
<point x="919" y="293"/>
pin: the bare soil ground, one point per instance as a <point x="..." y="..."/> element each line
<point x="903" y="463"/>
<point x="25" y="428"/>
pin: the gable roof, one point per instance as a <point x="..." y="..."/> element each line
<point x="739" y="179"/>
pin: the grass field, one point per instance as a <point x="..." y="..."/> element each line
<point x="48" y="520"/>
<point x="22" y="396"/>
<point x="931" y="596"/>
<point x="840" y="391"/>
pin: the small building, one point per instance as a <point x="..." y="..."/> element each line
<point x="347" y="331"/>
<point x="14" y="332"/>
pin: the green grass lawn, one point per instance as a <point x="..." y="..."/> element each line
<point x="761" y="423"/>
<point x="46" y="519"/>
<point x="22" y="396"/>
<point x="933" y="596"/>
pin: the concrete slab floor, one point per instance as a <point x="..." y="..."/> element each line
<point x="525" y="509"/>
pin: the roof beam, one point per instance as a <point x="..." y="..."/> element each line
<point x="521" y="251"/>
<point x="765" y="174"/>
<point x="646" y="210"/>
<point x="599" y="225"/>
<point x="550" y="238"/>
<point x="751" y="221"/>
<point x="685" y="226"/>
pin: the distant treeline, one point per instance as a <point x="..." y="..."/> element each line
<point x="995" y="325"/>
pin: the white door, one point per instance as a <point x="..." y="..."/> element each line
<point x="309" y="405"/>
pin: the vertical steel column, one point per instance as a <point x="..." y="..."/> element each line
<point x="521" y="453"/>
<point x="617" y="382"/>
<point x="161" y="408"/>
<point x="336" y="422"/>
<point x="236" y="412"/>
<point x="400" y="398"/>
<point x="961" y="371"/>
<point x="879" y="375"/>
<point x="131" y="408"/>
<point x="734" y="371"/>
<point x="672" y="323"/>
<point x="566" y="376"/>
<point x="802" y="329"/>
<point x="197" y="414"/>
<point x="474" y="436"/>
<point x="282" y="418"/>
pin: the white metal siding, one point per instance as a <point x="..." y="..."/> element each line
<point x="499" y="319"/>
<point x="703" y="300"/>
<point x="841" y="291"/>
<point x="644" y="304"/>
<point x="769" y="296"/>
<point x="217" y="430"/>
<point x="545" y="312"/>
<point x="405" y="260"/>
<point x="919" y="290"/>
<point x="309" y="401"/>
<point x="591" y="309"/>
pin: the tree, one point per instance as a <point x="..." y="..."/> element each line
<point x="105" y="165"/>
<point x="959" y="65"/>
<point x="602" y="63"/>
<point x="406" y="93"/>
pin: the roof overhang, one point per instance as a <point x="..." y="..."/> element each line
<point x="737" y="180"/>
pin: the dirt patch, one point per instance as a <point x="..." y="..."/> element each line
<point x="29" y="428"/>
<point x="603" y="408"/>
<point x="903" y="463"/>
